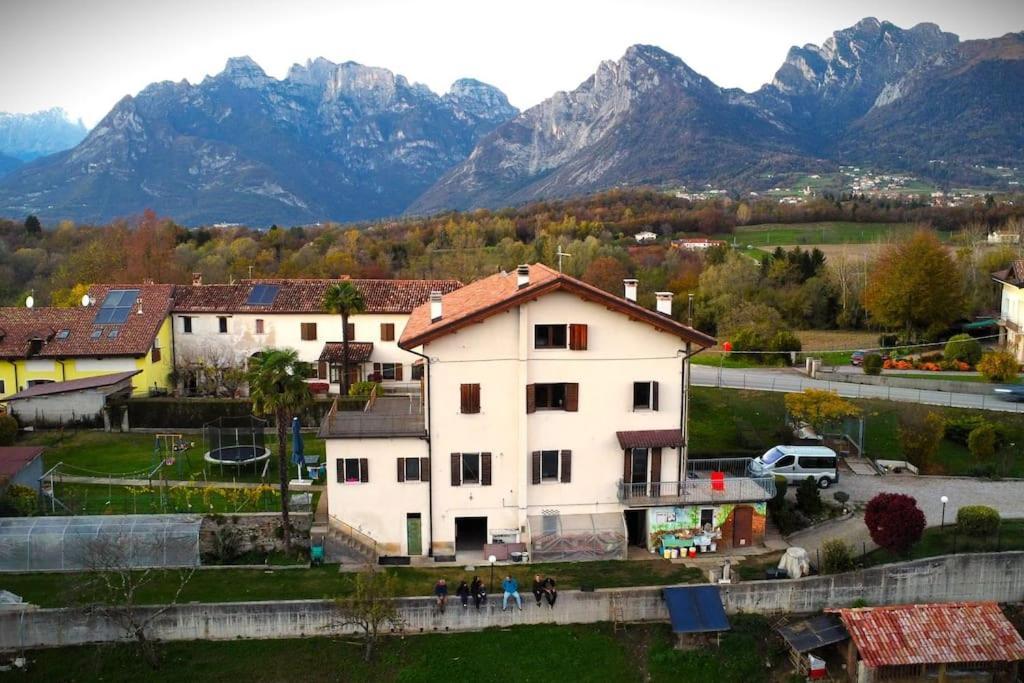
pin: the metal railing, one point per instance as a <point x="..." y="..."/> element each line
<point x="366" y="542"/>
<point x="389" y="416"/>
<point x="698" y="491"/>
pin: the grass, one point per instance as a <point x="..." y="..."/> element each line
<point x="953" y="376"/>
<point x="833" y="232"/>
<point x="102" y="499"/>
<point x="240" y="585"/>
<point x="944" y="541"/>
<point x="592" y="652"/>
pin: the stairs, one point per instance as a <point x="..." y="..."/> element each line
<point x="346" y="549"/>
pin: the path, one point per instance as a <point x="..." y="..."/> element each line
<point x="192" y="483"/>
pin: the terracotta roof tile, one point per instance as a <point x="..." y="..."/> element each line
<point x="956" y="632"/>
<point x="650" y="438"/>
<point x="358" y="352"/>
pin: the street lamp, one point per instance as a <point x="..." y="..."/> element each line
<point x="943" y="500"/>
<point x="490" y="587"/>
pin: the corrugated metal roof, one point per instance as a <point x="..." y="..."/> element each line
<point x="14" y="458"/>
<point x="73" y="385"/>
<point x="949" y="633"/>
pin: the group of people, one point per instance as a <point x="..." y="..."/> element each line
<point x="543" y="589"/>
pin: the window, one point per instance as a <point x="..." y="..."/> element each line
<point x="259" y="326"/>
<point x="707" y="518"/>
<point x="470" y="398"/>
<point x="561" y="396"/>
<point x="353" y="471"/>
<point x="307" y="331"/>
<point x="471" y="468"/>
<point x="413" y="469"/>
<point x="156" y="353"/>
<point x="63" y="334"/>
<point x="116" y="306"/>
<point x="387" y="332"/>
<point x="388" y="371"/>
<point x="638" y="465"/>
<point x="186" y="324"/>
<point x="785" y="461"/>
<point x="549" y="336"/>
<point x="112" y="334"/>
<point x="97" y="333"/>
<point x="645" y="395"/>
<point x="551" y="466"/>
<point x="350" y="331"/>
<point x="222" y="324"/>
<point x="37" y="382"/>
<point x="417" y="371"/>
<point x="817" y="463"/>
<point x="3" y="386"/>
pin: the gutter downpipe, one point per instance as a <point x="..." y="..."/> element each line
<point x="430" y="459"/>
<point x="683" y="452"/>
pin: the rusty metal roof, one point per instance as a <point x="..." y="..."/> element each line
<point x="651" y="438"/>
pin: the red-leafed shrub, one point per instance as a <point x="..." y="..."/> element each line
<point x="894" y="521"/>
<point x="319" y="387"/>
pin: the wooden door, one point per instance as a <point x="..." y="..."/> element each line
<point x="414" y="534"/>
<point x="742" y="526"/>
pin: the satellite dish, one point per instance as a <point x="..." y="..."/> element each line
<point x="86" y="300"/>
<point x="30" y="301"/>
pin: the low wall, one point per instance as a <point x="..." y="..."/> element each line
<point x="948" y="385"/>
<point x="990" y="576"/>
<point x="256" y="531"/>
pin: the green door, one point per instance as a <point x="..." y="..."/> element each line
<point x="412" y="531"/>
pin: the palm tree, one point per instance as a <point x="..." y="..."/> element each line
<point x="277" y="387"/>
<point x="346" y="299"/>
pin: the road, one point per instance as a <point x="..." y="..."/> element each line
<point x="787" y="380"/>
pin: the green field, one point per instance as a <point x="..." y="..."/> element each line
<point x="834" y="232"/>
<point x="747" y="654"/>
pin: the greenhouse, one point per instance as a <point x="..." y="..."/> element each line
<point x="109" y="542"/>
<point x="577" y="538"/>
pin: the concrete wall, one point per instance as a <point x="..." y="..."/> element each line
<point x="991" y="576"/>
<point x="948" y="385"/>
<point x="55" y="409"/>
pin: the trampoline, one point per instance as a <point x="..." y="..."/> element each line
<point x="237" y="455"/>
<point x="235" y="441"/>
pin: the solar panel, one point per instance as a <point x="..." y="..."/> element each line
<point x="262" y="295"/>
<point x="695" y="609"/>
<point x="116" y="306"/>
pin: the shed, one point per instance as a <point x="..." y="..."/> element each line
<point x="21" y="465"/>
<point x="74" y="401"/>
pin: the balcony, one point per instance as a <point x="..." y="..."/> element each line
<point x="383" y="415"/>
<point x="713" y="481"/>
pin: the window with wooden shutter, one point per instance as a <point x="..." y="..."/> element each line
<point x="566" y="467"/>
<point x="531" y="398"/>
<point x="578" y="337"/>
<point x="655" y="471"/>
<point x="259" y="325"/>
<point x="321" y="369"/>
<point x="350" y="331"/>
<point x="424" y="469"/>
<point x="654" y="395"/>
<point x="340" y="474"/>
<point x="401" y="469"/>
<point x="535" y="467"/>
<point x="456" y="469"/>
<point x="572" y="397"/>
<point x="645" y="395"/>
<point x="469" y="398"/>
<point x="364" y="470"/>
<point x="398" y="372"/>
<point x="485" y="469"/>
<point x="307" y="331"/>
<point x="627" y="466"/>
<point x="156" y="354"/>
<point x="387" y="332"/>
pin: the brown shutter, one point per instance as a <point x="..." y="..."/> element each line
<point x="456" y="469"/>
<point x="376" y="369"/>
<point x="340" y="467"/>
<point x="655" y="472"/>
<point x="387" y="332"/>
<point x="578" y="337"/>
<point x="566" y="467"/>
<point x="464" y="400"/>
<point x="364" y="470"/>
<point x="398" y="372"/>
<point x="654" y="395"/>
<point x="485" y="469"/>
<point x="531" y="398"/>
<point x="401" y="469"/>
<point x="350" y="331"/>
<point x="535" y="466"/>
<point x="424" y="469"/>
<point x="475" y="397"/>
<point x="572" y="397"/>
<point x="627" y="466"/>
<point x="321" y="370"/>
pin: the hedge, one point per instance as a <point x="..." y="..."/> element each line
<point x="977" y="520"/>
<point x="184" y="413"/>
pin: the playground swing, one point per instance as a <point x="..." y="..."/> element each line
<point x="167" y="448"/>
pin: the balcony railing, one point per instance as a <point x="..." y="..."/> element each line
<point x="384" y="416"/>
<point x="698" y="491"/>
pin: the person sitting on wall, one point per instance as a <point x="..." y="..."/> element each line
<point x="511" y="588"/>
<point x="463" y="592"/>
<point x="441" y="594"/>
<point x="478" y="591"/>
<point x="550" y="592"/>
<point x="538" y="588"/>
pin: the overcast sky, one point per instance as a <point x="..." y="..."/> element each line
<point x="84" y="55"/>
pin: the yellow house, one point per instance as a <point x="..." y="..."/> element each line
<point x="1011" y="309"/>
<point x="122" y="328"/>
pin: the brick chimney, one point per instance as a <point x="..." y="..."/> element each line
<point x="522" y="276"/>
<point x="197" y="279"/>
<point x="664" y="304"/>
<point x="630" y="285"/>
<point x="435" y="306"/>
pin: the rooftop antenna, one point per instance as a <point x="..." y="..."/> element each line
<point x="250" y="271"/>
<point x="560" y="254"/>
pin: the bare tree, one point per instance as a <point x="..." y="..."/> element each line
<point x="370" y="609"/>
<point x="112" y="583"/>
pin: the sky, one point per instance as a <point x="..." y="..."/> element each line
<point x="85" y="55"/>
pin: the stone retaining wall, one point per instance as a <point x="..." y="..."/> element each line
<point x="256" y="531"/>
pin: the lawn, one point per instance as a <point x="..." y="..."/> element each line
<point x="834" y="232"/>
<point x="945" y="541"/>
<point x="239" y="585"/>
<point x="953" y="376"/>
<point x="593" y="652"/>
<point x="104" y="499"/>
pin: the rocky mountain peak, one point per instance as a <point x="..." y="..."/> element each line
<point x="480" y="100"/>
<point x="244" y="72"/>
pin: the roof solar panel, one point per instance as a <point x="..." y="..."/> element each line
<point x="262" y="295"/>
<point x="116" y="306"/>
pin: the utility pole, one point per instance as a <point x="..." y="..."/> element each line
<point x="560" y="254"/>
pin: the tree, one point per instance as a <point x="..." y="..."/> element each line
<point x="32" y="225"/>
<point x="982" y="441"/>
<point x="894" y="521"/>
<point x="999" y="366"/>
<point x="607" y="273"/>
<point x="819" y="408"/>
<point x="963" y="347"/>
<point x="276" y="387"/>
<point x="872" y="364"/>
<point x="915" y="286"/>
<point x="808" y="498"/>
<point x="370" y="608"/>
<point x="345" y="299"/>
<point x="920" y="433"/>
<point x="8" y="430"/>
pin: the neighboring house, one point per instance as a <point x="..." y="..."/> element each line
<point x="950" y="641"/>
<point x="696" y="243"/>
<point x="554" y="416"/>
<point x="224" y="324"/>
<point x="645" y="236"/>
<point x="125" y="328"/>
<point x="1011" y="309"/>
<point x="1003" y="238"/>
<point x="21" y="465"/>
<point x="76" y="401"/>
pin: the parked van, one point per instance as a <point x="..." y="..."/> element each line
<point x="797" y="463"/>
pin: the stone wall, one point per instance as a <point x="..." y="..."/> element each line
<point x="254" y="532"/>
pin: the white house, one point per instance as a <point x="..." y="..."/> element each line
<point x="696" y="243"/>
<point x="1011" y="310"/>
<point x="226" y="323"/>
<point x="553" y="416"/>
<point x="645" y="236"/>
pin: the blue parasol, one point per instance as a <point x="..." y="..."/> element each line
<point x="297" y="458"/>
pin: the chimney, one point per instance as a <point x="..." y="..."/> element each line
<point x="630" y="286"/>
<point x="197" y="279"/>
<point x="435" y="306"/>
<point x="664" y="302"/>
<point x="522" y="276"/>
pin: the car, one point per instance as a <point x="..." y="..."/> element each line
<point x="796" y="463"/>
<point x="1010" y="392"/>
<point x="857" y="357"/>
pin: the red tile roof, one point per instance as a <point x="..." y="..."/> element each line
<point x="307" y="296"/>
<point x="358" y="352"/>
<point x="14" y="458"/>
<point x="50" y="388"/>
<point x="481" y="299"/>
<point x="1013" y="275"/>
<point x="956" y="632"/>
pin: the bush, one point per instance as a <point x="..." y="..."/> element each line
<point x="808" y="498"/>
<point x="931" y="357"/>
<point x="19" y="501"/>
<point x="842" y="497"/>
<point x="920" y="433"/>
<point x="959" y="428"/>
<point x="982" y="442"/>
<point x="887" y="340"/>
<point x="963" y="347"/>
<point x="872" y="364"/>
<point x="977" y="520"/>
<point x="786" y="342"/>
<point x="361" y="388"/>
<point x="781" y="486"/>
<point x="8" y="430"/>
<point x="998" y="366"/>
<point x="836" y="557"/>
<point x="749" y="339"/>
<point x="894" y="521"/>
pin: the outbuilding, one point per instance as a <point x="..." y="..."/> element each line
<point x="77" y="401"/>
<point x="21" y="465"/>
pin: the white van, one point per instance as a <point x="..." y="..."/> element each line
<point x="797" y="463"/>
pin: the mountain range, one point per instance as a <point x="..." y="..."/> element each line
<point x="352" y="142"/>
<point x="24" y="137"/>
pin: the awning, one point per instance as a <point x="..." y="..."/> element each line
<point x="980" y="324"/>
<point x="358" y="352"/>
<point x="651" y="438"/>
<point x="810" y="634"/>
<point x="696" y="609"/>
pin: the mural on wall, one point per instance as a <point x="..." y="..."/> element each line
<point x="670" y="520"/>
